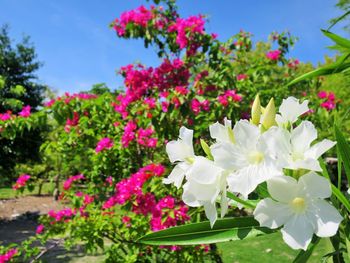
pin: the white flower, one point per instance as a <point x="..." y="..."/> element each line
<point x="295" y="147"/>
<point x="205" y="183"/>
<point x="222" y="133"/>
<point x="180" y="151"/>
<point x="300" y="208"/>
<point x="290" y="110"/>
<point x="249" y="161"/>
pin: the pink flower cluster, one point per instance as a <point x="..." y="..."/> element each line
<point x="329" y="100"/>
<point x="139" y="16"/>
<point x="5" y="116"/>
<point x="72" y="122"/>
<point x="186" y="29"/>
<point x="39" y="229"/>
<point x="8" y="255"/>
<point x="129" y="133"/>
<point x="68" y="183"/>
<point x="241" y="77"/>
<point x="167" y="213"/>
<point x="21" y="181"/>
<point x="131" y="187"/>
<point x="104" y="143"/>
<point x="25" y="112"/>
<point x="69" y="97"/>
<point x="229" y="94"/>
<point x="198" y="106"/>
<point x="273" y="55"/>
<point x="144" y="138"/>
<point x="293" y="63"/>
<point x="62" y="215"/>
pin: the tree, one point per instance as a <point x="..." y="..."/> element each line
<point x="18" y="88"/>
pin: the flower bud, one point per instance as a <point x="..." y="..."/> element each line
<point x="269" y="115"/>
<point x="256" y="111"/>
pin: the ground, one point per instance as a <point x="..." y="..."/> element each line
<point x="18" y="221"/>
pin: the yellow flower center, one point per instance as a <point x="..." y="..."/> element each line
<point x="297" y="156"/>
<point x="189" y="160"/>
<point x="298" y="204"/>
<point x="255" y="157"/>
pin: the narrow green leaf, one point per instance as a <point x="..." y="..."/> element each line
<point x="225" y="229"/>
<point x="303" y="256"/>
<point x="324" y="169"/>
<point x="336" y="20"/>
<point x="344" y="150"/>
<point x="247" y="204"/>
<point x="343" y="42"/>
<point x="341" y="197"/>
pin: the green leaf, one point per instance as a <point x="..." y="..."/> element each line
<point x="303" y="256"/>
<point x="336" y="67"/>
<point x="341" y="197"/>
<point x="226" y="229"/>
<point x="344" y="150"/>
<point x="343" y="42"/>
<point x="245" y="203"/>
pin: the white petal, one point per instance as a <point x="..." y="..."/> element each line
<point x="228" y="156"/>
<point x="271" y="214"/>
<point x="326" y="218"/>
<point x="179" y="151"/>
<point x="210" y="212"/>
<point x="303" y="136"/>
<point x="176" y="176"/>
<point x="204" y="171"/>
<point x="278" y="142"/>
<point x="219" y="132"/>
<point x="307" y="164"/>
<point x="188" y="198"/>
<point x="245" y="180"/>
<point x="186" y="135"/>
<point x="298" y="231"/>
<point x="315" y="186"/>
<point x="291" y="109"/>
<point x="246" y="134"/>
<point x="203" y="192"/>
<point x="319" y="148"/>
<point x="282" y="188"/>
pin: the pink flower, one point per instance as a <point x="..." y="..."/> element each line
<point x="322" y="94"/>
<point x="25" y="112"/>
<point x="109" y="180"/>
<point x="88" y="199"/>
<point x="39" y="229"/>
<point x="72" y="122"/>
<point x="165" y="106"/>
<point x="8" y="255"/>
<point x="242" y="77"/>
<point x="273" y="55"/>
<point x="21" y="181"/>
<point x="331" y="96"/>
<point x="68" y="183"/>
<point x="126" y="220"/>
<point x="5" y="116"/>
<point x="104" y="143"/>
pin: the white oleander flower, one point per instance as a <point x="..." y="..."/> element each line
<point x="299" y="207"/>
<point x="295" y="147"/>
<point x="290" y="110"/>
<point x="206" y="182"/>
<point x="222" y="133"/>
<point x="180" y="151"/>
<point x="249" y="161"/>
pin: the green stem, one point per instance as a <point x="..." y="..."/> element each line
<point x="239" y="200"/>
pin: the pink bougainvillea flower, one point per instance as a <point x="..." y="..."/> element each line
<point x="25" y="112"/>
<point x="21" y="181"/>
<point x="39" y="229"/>
<point x="8" y="255"/>
<point x="273" y="55"/>
<point x="242" y="77"/>
<point x="104" y="143"/>
<point x="68" y="183"/>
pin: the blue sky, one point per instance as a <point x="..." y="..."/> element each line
<point x="78" y="49"/>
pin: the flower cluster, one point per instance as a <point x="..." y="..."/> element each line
<point x="63" y="215"/>
<point x="67" y="98"/>
<point x="21" y="181"/>
<point x="8" y="255"/>
<point x="144" y="138"/>
<point x="104" y="143"/>
<point x="273" y="55"/>
<point x="186" y="29"/>
<point x="257" y="151"/>
<point x="72" y="122"/>
<point x="24" y="113"/>
<point x="329" y="100"/>
<point x="198" y="106"/>
<point x="39" y="229"/>
<point x="68" y="183"/>
<point x="229" y="95"/>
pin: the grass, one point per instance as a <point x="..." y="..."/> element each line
<point x="267" y="248"/>
<point x="8" y="192"/>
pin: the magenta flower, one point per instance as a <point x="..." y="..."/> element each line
<point x="105" y="143"/>
<point x="273" y="55"/>
<point x="25" y="112"/>
<point x="322" y="94"/>
<point x="8" y="255"/>
<point x="39" y="229"/>
<point x="21" y="181"/>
